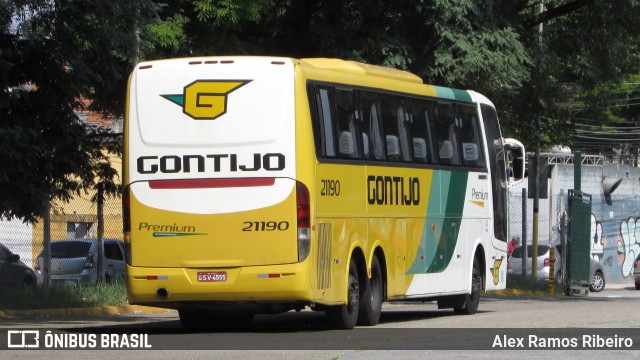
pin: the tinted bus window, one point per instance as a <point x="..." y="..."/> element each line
<point x="346" y="124"/>
<point x="496" y="162"/>
<point x="404" y="129"/>
<point x="446" y="138"/>
<point x="395" y="129"/>
<point x="423" y="114"/>
<point x="472" y="153"/>
<point x="371" y="126"/>
<point x="325" y="145"/>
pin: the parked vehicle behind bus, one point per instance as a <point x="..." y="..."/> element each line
<point x="544" y="261"/>
<point x="74" y="261"/>
<point x="13" y="272"/>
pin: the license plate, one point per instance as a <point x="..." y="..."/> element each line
<point x="212" y="276"/>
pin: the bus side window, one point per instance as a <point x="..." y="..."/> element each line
<point x="470" y="137"/>
<point x="420" y="131"/>
<point x="371" y="126"/>
<point x="393" y="121"/>
<point x="325" y="144"/>
<point x="346" y="124"/>
<point x="446" y="135"/>
<point x="404" y="128"/>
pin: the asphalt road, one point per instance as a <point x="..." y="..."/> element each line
<point x="406" y="330"/>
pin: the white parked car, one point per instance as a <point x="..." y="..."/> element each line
<point x="75" y="261"/>
<point x="543" y="261"/>
<point x="544" y="266"/>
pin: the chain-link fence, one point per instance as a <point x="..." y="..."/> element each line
<point x="77" y="261"/>
<point x="549" y="212"/>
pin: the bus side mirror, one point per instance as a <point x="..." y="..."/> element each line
<point x="515" y="157"/>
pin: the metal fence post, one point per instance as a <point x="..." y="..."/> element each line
<point x="100" y="214"/>
<point x="524" y="232"/>
<point x="46" y="240"/>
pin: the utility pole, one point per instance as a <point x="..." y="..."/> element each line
<point x="536" y="167"/>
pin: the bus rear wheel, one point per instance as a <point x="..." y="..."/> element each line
<point x="472" y="300"/>
<point x="371" y="304"/>
<point x="346" y="316"/>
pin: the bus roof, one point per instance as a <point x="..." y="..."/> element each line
<point x="363" y="69"/>
<point x="346" y="67"/>
<point x="385" y="72"/>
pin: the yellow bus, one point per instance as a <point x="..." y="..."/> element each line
<point x="263" y="185"/>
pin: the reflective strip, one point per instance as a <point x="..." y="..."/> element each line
<point x="210" y="183"/>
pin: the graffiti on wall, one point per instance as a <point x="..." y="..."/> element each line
<point x="628" y="244"/>
<point x="597" y="242"/>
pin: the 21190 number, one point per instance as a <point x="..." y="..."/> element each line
<point x="330" y="188"/>
<point x="265" y="226"/>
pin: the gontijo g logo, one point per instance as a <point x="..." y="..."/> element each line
<point x="206" y="99"/>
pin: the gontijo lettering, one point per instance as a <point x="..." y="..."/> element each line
<point x="393" y="190"/>
<point x="171" y="164"/>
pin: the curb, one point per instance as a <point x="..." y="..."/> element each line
<point x="518" y="292"/>
<point x="100" y="310"/>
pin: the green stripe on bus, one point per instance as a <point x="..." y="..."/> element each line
<point x="451" y="225"/>
<point x="440" y="235"/>
<point x="453" y="94"/>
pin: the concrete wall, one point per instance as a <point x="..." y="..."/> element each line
<point x="16" y="235"/>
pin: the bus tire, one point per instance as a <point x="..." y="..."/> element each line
<point x="472" y="300"/>
<point x="371" y="304"/>
<point x="346" y="316"/>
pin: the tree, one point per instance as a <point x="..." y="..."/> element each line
<point x="52" y="54"/>
<point x="609" y="117"/>
<point x="582" y="44"/>
<point x="495" y="47"/>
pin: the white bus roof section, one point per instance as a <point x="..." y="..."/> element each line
<point x="255" y="94"/>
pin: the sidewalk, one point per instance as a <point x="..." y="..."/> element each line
<point x="627" y="286"/>
<point x="137" y="309"/>
<point x="83" y="311"/>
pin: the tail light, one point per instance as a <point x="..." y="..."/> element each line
<point x="547" y="262"/>
<point x="304" y="221"/>
<point x="36" y="267"/>
<point x="88" y="262"/>
<point x="126" y="223"/>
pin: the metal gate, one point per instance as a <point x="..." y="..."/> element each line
<point x="578" y="261"/>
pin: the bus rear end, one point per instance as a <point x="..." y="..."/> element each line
<point x="214" y="217"/>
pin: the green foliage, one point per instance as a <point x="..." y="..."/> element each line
<point x="54" y="53"/>
<point x="170" y="32"/>
<point x="608" y="116"/>
<point x="229" y="11"/>
<point x="63" y="296"/>
<point x="519" y="282"/>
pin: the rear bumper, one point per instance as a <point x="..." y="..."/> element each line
<point x="272" y="284"/>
